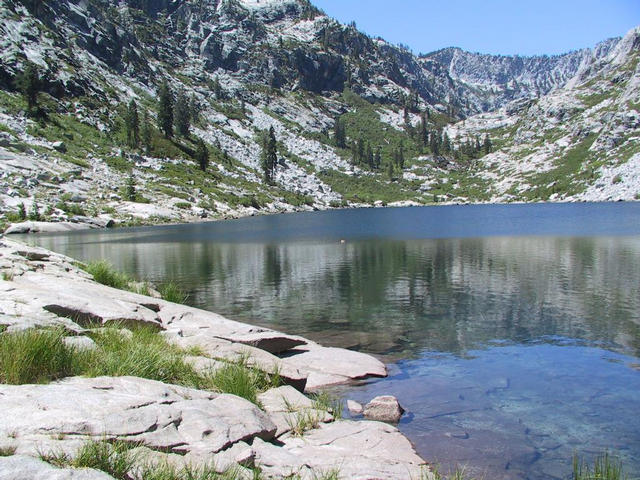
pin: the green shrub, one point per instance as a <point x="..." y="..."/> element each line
<point x="35" y="356"/>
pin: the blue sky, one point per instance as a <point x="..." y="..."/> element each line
<point x="490" y="26"/>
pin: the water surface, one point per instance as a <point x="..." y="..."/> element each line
<point x="512" y="332"/>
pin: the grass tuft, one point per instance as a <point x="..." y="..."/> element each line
<point x="35" y="356"/>
<point x="605" y="467"/>
<point x="171" y="292"/>
<point x="104" y="273"/>
<point x="7" y="451"/>
<point x="237" y="378"/>
<point x="144" y="354"/>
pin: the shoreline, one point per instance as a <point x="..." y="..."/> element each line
<point x="98" y="223"/>
<point x="44" y="290"/>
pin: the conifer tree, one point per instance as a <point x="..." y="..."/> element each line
<point x="22" y="212"/>
<point x="182" y="114"/>
<point x="446" y="143"/>
<point x="487" y="147"/>
<point x="34" y="212"/>
<point x="147" y="134"/>
<point x="132" y="124"/>
<point x="130" y="188"/>
<point x="165" y="110"/>
<point x="339" y="133"/>
<point x="202" y="155"/>
<point x="377" y="158"/>
<point x="29" y="84"/>
<point x="194" y="109"/>
<point x="269" y="155"/>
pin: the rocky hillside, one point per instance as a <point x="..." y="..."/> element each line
<point x="246" y="66"/>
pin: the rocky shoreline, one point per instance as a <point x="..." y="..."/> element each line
<point x="171" y="423"/>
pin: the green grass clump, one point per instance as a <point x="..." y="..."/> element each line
<point x="104" y="273"/>
<point x="237" y="378"/>
<point x="143" y="354"/>
<point x="171" y="292"/>
<point x="35" y="356"/>
<point x="605" y="467"/>
<point x="188" y="472"/>
<point x="118" y="460"/>
<point x="7" y="451"/>
<point x="114" y="458"/>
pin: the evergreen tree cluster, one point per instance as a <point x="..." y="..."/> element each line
<point x="176" y="110"/>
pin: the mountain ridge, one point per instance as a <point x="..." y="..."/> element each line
<point x="250" y="65"/>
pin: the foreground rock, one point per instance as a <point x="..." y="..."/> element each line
<point x="385" y="408"/>
<point x="357" y="450"/>
<point x="21" y="467"/>
<point x="168" y="418"/>
<point x="46" y="289"/>
<point x="173" y="424"/>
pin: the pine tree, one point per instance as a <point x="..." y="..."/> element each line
<point x="269" y="155"/>
<point x="132" y="124"/>
<point x="194" y="109"/>
<point x="29" y="83"/>
<point x="165" y="110"/>
<point x="424" y="134"/>
<point x="487" y="147"/>
<point x="339" y="133"/>
<point x="390" y="170"/>
<point x="202" y="155"/>
<point x="369" y="156"/>
<point x="22" y="212"/>
<point x="130" y="188"/>
<point x="147" y="134"/>
<point x="446" y="143"/>
<point x="217" y="89"/>
<point x="182" y="114"/>
<point x="377" y="158"/>
<point x="434" y="143"/>
<point x="34" y="212"/>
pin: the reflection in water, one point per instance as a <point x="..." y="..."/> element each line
<point x="511" y="352"/>
<point x="400" y="297"/>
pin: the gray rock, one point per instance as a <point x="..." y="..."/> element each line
<point x="359" y="450"/>
<point x="329" y="366"/>
<point x="384" y="408"/>
<point x="21" y="467"/>
<point x="354" y="407"/>
<point x="45" y="227"/>
<point x="80" y="343"/>
<point x="287" y="408"/>
<point x="163" y="417"/>
<point x="59" y="146"/>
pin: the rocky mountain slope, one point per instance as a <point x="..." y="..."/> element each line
<point x="249" y="65"/>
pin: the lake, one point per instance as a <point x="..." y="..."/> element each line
<point x="512" y="332"/>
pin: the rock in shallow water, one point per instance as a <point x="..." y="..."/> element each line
<point x="384" y="409"/>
